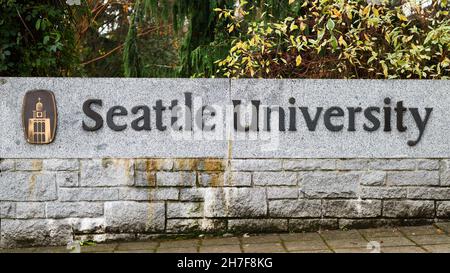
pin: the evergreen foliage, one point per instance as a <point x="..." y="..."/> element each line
<point x="204" y="39"/>
<point x="131" y="56"/>
<point x="224" y="38"/>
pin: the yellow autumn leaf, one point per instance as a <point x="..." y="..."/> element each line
<point x="291" y="38"/>
<point x="366" y="37"/>
<point x="385" y="69"/>
<point x="293" y="26"/>
<point x="252" y="72"/>
<point x="291" y="2"/>
<point x="366" y="10"/>
<point x="387" y="37"/>
<point x="402" y="17"/>
<point x="336" y="13"/>
<point x="342" y="41"/>
<point x="349" y="12"/>
<point x="375" y="12"/>
<point x="298" y="60"/>
<point x="302" y="26"/>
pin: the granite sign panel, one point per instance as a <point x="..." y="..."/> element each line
<point x="222" y="118"/>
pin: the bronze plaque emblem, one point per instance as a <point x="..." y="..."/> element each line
<point x="39" y="115"/>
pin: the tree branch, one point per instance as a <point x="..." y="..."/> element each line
<point x="23" y="22"/>
<point x="149" y="30"/>
<point x="104" y="55"/>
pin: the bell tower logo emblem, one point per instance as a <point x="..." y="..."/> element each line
<point x="39" y="116"/>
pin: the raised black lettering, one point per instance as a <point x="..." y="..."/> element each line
<point x="331" y="113"/>
<point x="113" y="112"/>
<point x="400" y="110"/>
<point x="201" y="118"/>
<point x="281" y="117"/>
<point x="311" y="123"/>
<point x="351" y="117"/>
<point x="373" y="119"/>
<point x="159" y="108"/>
<point x="145" y="118"/>
<point x="254" y="126"/>
<point x="421" y="123"/>
<point x="174" y="117"/>
<point x="387" y="115"/>
<point x="292" y="116"/>
<point x="96" y="117"/>
<point x="188" y="111"/>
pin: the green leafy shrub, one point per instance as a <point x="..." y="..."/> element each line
<point x="339" y="39"/>
<point x="36" y="39"/>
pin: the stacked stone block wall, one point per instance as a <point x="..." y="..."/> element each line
<point x="56" y="201"/>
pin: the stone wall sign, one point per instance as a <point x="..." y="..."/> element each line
<point x="131" y="118"/>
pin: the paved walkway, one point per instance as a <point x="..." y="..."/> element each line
<point x="432" y="238"/>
